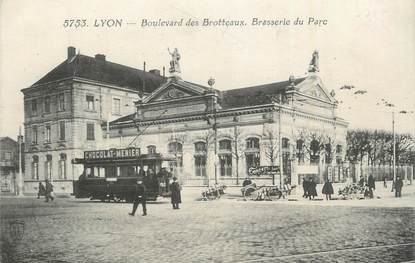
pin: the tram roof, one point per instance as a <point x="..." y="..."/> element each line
<point x="141" y="158"/>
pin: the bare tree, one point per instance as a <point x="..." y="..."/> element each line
<point x="237" y="149"/>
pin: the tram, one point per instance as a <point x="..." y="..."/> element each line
<point x="113" y="175"/>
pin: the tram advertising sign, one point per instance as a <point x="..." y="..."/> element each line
<point x="263" y="170"/>
<point x="112" y="153"/>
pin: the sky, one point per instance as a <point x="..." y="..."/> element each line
<point x="367" y="44"/>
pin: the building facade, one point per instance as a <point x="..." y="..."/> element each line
<point x="218" y="136"/>
<point x="213" y="136"/>
<point x="64" y="112"/>
<point x="9" y="165"/>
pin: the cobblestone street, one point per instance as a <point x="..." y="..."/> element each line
<point x="225" y="230"/>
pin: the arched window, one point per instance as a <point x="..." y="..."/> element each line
<point x="252" y="143"/>
<point x="35" y="167"/>
<point x="225" y="145"/>
<point x="176" y="149"/>
<point x="285" y="143"/>
<point x="48" y="167"/>
<point x="314" y="152"/>
<point x="339" y="151"/>
<point x="225" y="157"/>
<point x="300" y="151"/>
<point x="286" y="159"/>
<point x="62" y="166"/>
<point x="328" y="156"/>
<point x="151" y="149"/>
<point x="200" y="159"/>
<point x="252" y="155"/>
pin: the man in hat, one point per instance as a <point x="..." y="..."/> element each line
<point x="398" y="186"/>
<point x="48" y="191"/>
<point x="176" y="198"/>
<point x="140" y="197"/>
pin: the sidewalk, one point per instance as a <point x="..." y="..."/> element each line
<point x="383" y="197"/>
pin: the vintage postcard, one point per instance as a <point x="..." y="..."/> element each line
<point x="207" y="131"/>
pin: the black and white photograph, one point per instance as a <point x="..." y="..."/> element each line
<point x="207" y="131"/>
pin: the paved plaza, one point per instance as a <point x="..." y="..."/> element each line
<point x="225" y="230"/>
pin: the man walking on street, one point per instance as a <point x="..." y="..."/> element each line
<point x="398" y="186"/>
<point x="175" y="194"/>
<point x="140" y="197"/>
<point x="371" y="185"/>
<point x="48" y="191"/>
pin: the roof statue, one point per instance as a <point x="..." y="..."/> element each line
<point x="174" y="62"/>
<point x="314" y="63"/>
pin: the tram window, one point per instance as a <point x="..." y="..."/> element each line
<point x="101" y="171"/>
<point x="127" y="171"/>
<point x="110" y="171"/>
<point x="89" y="172"/>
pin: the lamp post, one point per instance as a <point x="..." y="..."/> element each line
<point x="20" y="176"/>
<point x="394" y="146"/>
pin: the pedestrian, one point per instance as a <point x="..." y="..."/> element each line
<point x="140" y="197"/>
<point x="48" y="191"/>
<point x="305" y="188"/>
<point x="328" y="189"/>
<point x="371" y="185"/>
<point x="312" y="192"/>
<point x="176" y="198"/>
<point x="246" y="182"/>
<point x="362" y="181"/>
<point x="398" y="186"/>
<point x="41" y="191"/>
<point x="384" y="182"/>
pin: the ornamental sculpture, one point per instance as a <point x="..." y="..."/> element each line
<point x="174" y="62"/>
<point x="314" y="63"/>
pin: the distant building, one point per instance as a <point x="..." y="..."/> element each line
<point x="9" y="165"/>
<point x="65" y="109"/>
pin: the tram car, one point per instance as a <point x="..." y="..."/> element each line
<point x="113" y="175"/>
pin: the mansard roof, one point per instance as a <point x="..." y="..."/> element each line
<point x="255" y="95"/>
<point x="106" y="72"/>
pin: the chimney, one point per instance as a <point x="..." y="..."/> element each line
<point x="164" y="71"/>
<point x="155" y="71"/>
<point x="144" y="66"/>
<point x="100" y="57"/>
<point x="71" y="53"/>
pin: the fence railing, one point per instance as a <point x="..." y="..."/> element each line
<point x="353" y="172"/>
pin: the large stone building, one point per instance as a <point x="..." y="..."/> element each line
<point x="214" y="136"/>
<point x="65" y="109"/>
<point x="218" y="136"/>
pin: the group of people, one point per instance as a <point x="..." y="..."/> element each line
<point x="309" y="188"/>
<point x="141" y="196"/>
<point x="370" y="185"/>
<point x="46" y="190"/>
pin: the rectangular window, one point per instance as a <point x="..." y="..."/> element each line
<point x="48" y="167"/>
<point x="200" y="165"/>
<point x="8" y="156"/>
<point x="90" y="133"/>
<point x="62" y="130"/>
<point x="34" y="107"/>
<point x="47" y="133"/>
<point x="34" y="134"/>
<point x="90" y="102"/>
<point x="61" y="102"/>
<point x="225" y="161"/>
<point x="35" y="171"/>
<point x="116" y="106"/>
<point x="47" y="104"/>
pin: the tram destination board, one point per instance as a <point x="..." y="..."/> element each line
<point x="112" y="154"/>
